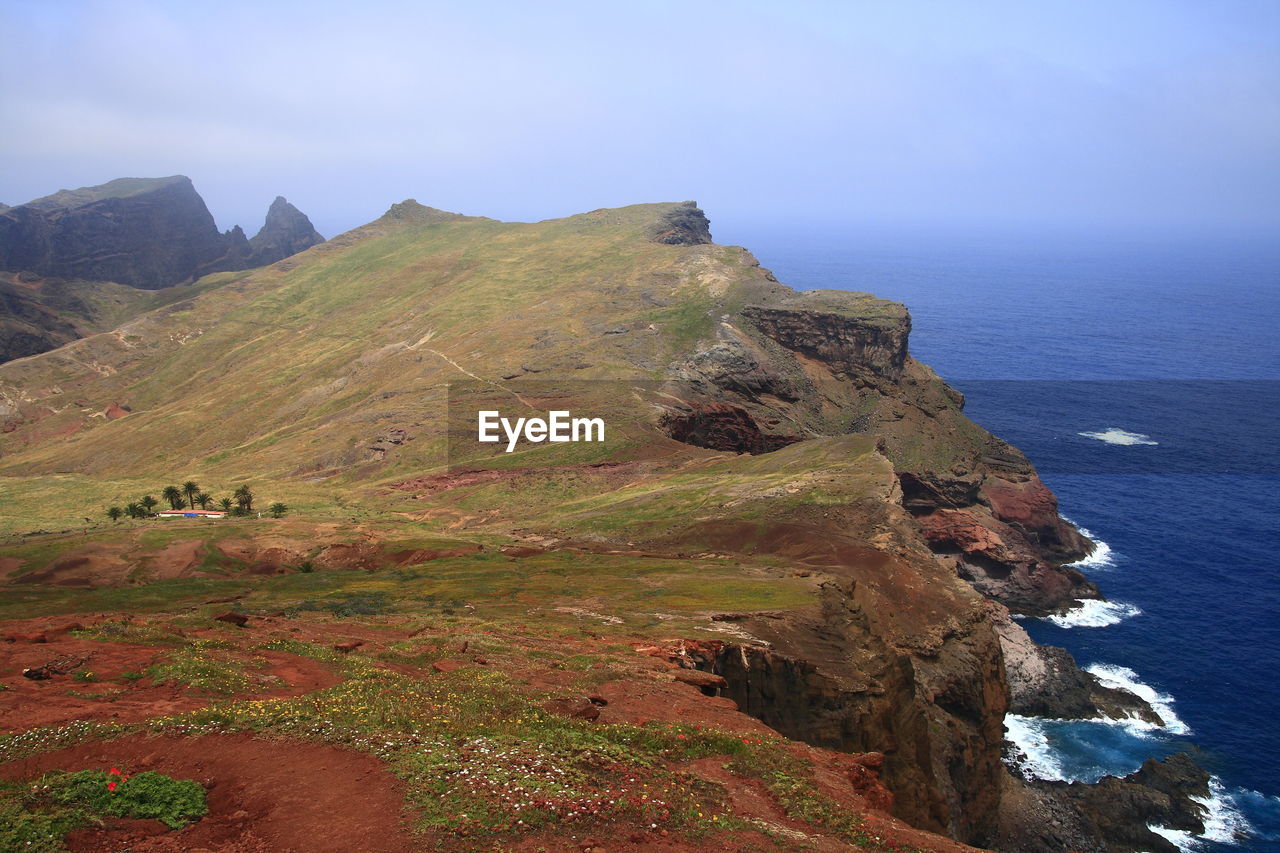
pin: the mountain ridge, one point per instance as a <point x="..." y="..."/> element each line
<point x="147" y="233"/>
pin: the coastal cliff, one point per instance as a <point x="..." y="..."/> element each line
<point x="772" y="437"/>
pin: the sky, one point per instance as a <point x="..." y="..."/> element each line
<point x="1117" y="115"/>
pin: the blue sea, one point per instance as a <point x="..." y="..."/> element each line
<point x="1143" y="379"/>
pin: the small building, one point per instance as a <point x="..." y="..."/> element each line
<point x="190" y="513"/>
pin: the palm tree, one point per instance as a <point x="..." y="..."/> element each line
<point x="134" y="510"/>
<point x="225" y="503"/>
<point x="190" y="489"/>
<point x="277" y="510"/>
<point x="203" y="499"/>
<point x="147" y="503"/>
<point x="244" y="497"/>
<point x="114" y="513"/>
<point x="173" y="495"/>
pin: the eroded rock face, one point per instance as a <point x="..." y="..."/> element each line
<point x="836" y="680"/>
<point x="798" y="365"/>
<point x="684" y="225"/>
<point x="721" y="426"/>
<point x="147" y="233"/>
<point x="1003" y="563"/>
<point x="847" y="343"/>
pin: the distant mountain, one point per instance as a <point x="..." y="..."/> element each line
<point x="147" y="233"/>
<point x="143" y="232"/>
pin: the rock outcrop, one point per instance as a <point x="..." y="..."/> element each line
<point x="684" y="225"/>
<point x="797" y="365"/>
<point x="1045" y="681"/>
<point x="143" y="232"/>
<point x="286" y="232"/>
<point x="829" y="327"/>
<point x="1113" y="815"/>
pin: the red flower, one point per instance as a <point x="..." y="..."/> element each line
<point x="115" y="772"/>
<point x="111" y="786"/>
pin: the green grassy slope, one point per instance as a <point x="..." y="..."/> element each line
<point x="293" y="371"/>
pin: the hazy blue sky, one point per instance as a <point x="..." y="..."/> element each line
<point x="1114" y="114"/>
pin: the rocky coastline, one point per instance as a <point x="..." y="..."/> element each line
<point x="813" y="447"/>
<point x="973" y="507"/>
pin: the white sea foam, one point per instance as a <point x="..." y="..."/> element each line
<point x="1223" y="821"/>
<point x="1102" y="556"/>
<point x="1115" y="435"/>
<point x="1037" y="759"/>
<point x="1126" y="679"/>
<point x="1183" y="839"/>
<point x="1092" y="613"/>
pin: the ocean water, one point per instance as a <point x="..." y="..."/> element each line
<point x="1143" y="380"/>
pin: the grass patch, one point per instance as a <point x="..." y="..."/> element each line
<point x="209" y="669"/>
<point x="36" y="817"/>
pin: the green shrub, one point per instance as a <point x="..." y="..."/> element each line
<point x="173" y="802"/>
<point x="36" y="817"/>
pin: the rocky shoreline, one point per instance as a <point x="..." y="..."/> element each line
<point x="791" y="435"/>
<point x="976" y="507"/>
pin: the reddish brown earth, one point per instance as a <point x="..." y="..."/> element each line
<point x="285" y="796"/>
<point x="265" y="796"/>
<point x="120" y="564"/>
<point x="109" y="697"/>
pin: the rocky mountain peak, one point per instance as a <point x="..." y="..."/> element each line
<point x="286" y="232"/>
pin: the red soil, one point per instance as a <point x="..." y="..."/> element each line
<point x="27" y="704"/>
<point x="265" y="796"/>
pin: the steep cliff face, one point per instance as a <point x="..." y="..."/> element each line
<point x="898" y="656"/>
<point x="847" y="681"/>
<point x="796" y="365"/>
<point x="847" y="342"/>
<point x="143" y="232"/>
<point x="147" y="233"/>
<point x="683" y="225"/>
